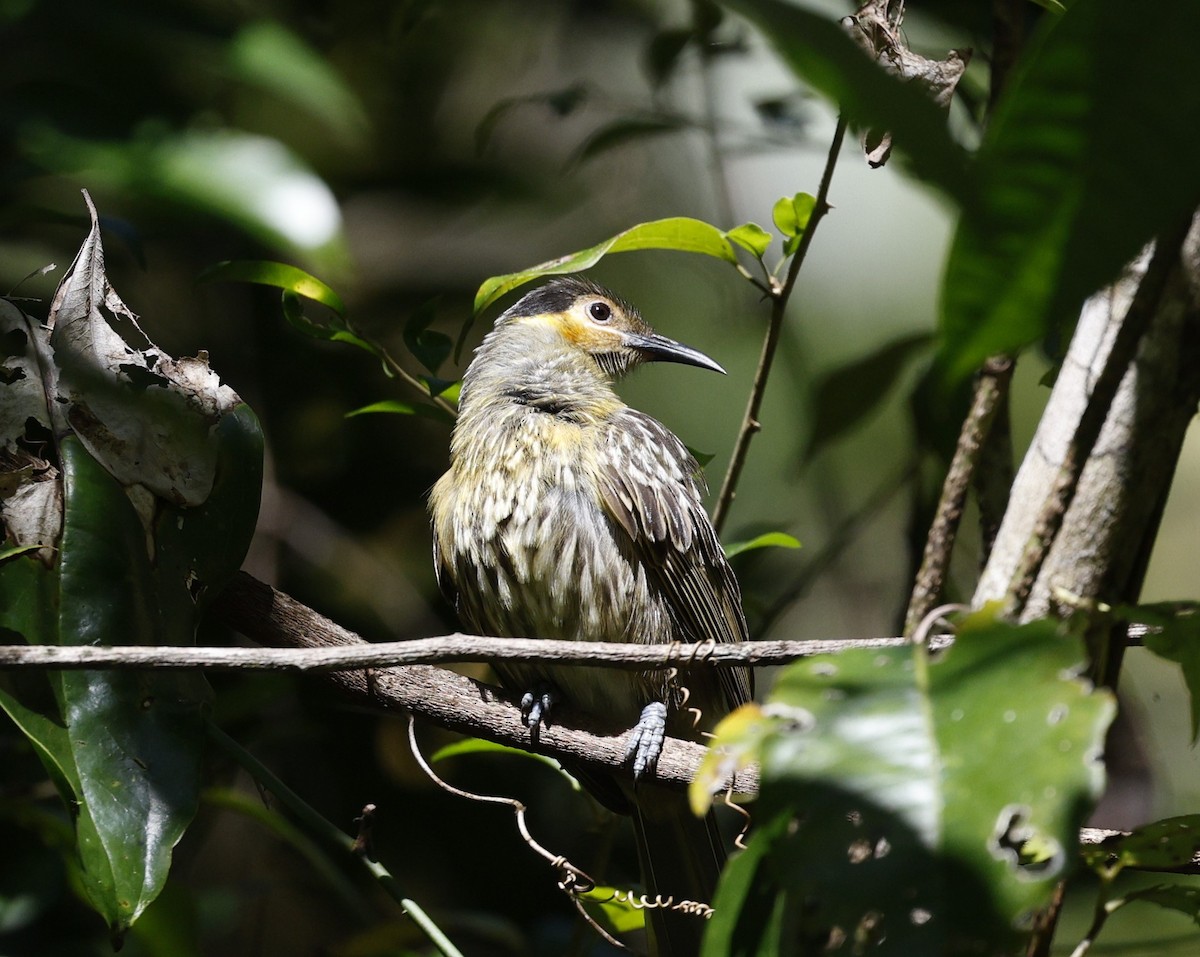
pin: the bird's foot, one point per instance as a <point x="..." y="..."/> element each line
<point x="536" y="705"/>
<point x="646" y="740"/>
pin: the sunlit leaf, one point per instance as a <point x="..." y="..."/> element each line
<point x="678" y="233"/>
<point x="280" y="275"/>
<point x="736" y="744"/>
<point x="752" y="238"/>
<point x="614" y="909"/>
<point x="767" y="540"/>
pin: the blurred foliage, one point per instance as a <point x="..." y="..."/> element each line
<point x="402" y="154"/>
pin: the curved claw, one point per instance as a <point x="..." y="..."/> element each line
<point x="536" y="705"/>
<point x="646" y="740"/>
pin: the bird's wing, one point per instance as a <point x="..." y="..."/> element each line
<point x="651" y="486"/>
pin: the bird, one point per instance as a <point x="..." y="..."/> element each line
<point x="567" y="514"/>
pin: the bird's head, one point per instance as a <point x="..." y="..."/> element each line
<point x="588" y="318"/>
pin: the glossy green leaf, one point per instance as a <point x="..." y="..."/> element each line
<point x="679" y="233"/>
<point x="899" y="794"/>
<point x="792" y="213"/>
<point x="135" y="736"/>
<point x="821" y="53"/>
<point x="337" y="331"/>
<point x="767" y="540"/>
<point x="752" y="238"/>
<point x="1103" y="99"/>
<point x="280" y="275"/>
<point x="159" y="469"/>
<point x="845" y="397"/>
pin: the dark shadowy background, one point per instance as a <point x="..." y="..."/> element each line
<point x="404" y="152"/>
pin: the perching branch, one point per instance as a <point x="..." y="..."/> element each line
<point x="443" y="697"/>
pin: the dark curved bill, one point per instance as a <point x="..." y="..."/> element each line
<point x="656" y="348"/>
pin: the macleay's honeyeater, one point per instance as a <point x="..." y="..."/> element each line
<point x="567" y="514"/>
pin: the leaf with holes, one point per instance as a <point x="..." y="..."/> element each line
<point x="901" y="795"/>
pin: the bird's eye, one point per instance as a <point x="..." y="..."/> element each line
<point x="600" y="311"/>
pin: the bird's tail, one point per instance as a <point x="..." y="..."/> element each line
<point x="681" y="858"/>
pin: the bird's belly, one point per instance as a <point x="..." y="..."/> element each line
<point x="540" y="558"/>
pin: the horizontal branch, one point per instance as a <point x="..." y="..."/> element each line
<point x="457" y="648"/>
<point x="445" y="698"/>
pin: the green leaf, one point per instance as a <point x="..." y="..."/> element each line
<point x="792" y="213"/>
<point x="1162" y="845"/>
<point x="338" y="331"/>
<point x="678" y="233"/>
<point x="1054" y="6"/>
<point x="1175" y="635"/>
<point x="752" y="238"/>
<point x="767" y="540"/>
<point x="479" y="746"/>
<point x="429" y="347"/>
<point x="843" y="398"/>
<point x="1184" y="898"/>
<point x="1103" y="98"/>
<point x="159" y="472"/>
<point x="823" y="55"/>
<point x="899" y="794"/>
<point x="618" y="913"/>
<point x="398" y="407"/>
<point x="280" y="275"/>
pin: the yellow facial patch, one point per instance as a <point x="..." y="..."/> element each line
<point x="579" y="331"/>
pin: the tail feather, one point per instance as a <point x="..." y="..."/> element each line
<point x="681" y="858"/>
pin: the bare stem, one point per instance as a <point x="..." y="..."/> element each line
<point x="779" y="300"/>
<point x="991" y="391"/>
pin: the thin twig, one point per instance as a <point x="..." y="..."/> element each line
<point x="415" y="382"/>
<point x="991" y="391"/>
<point x="779" y="301"/>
